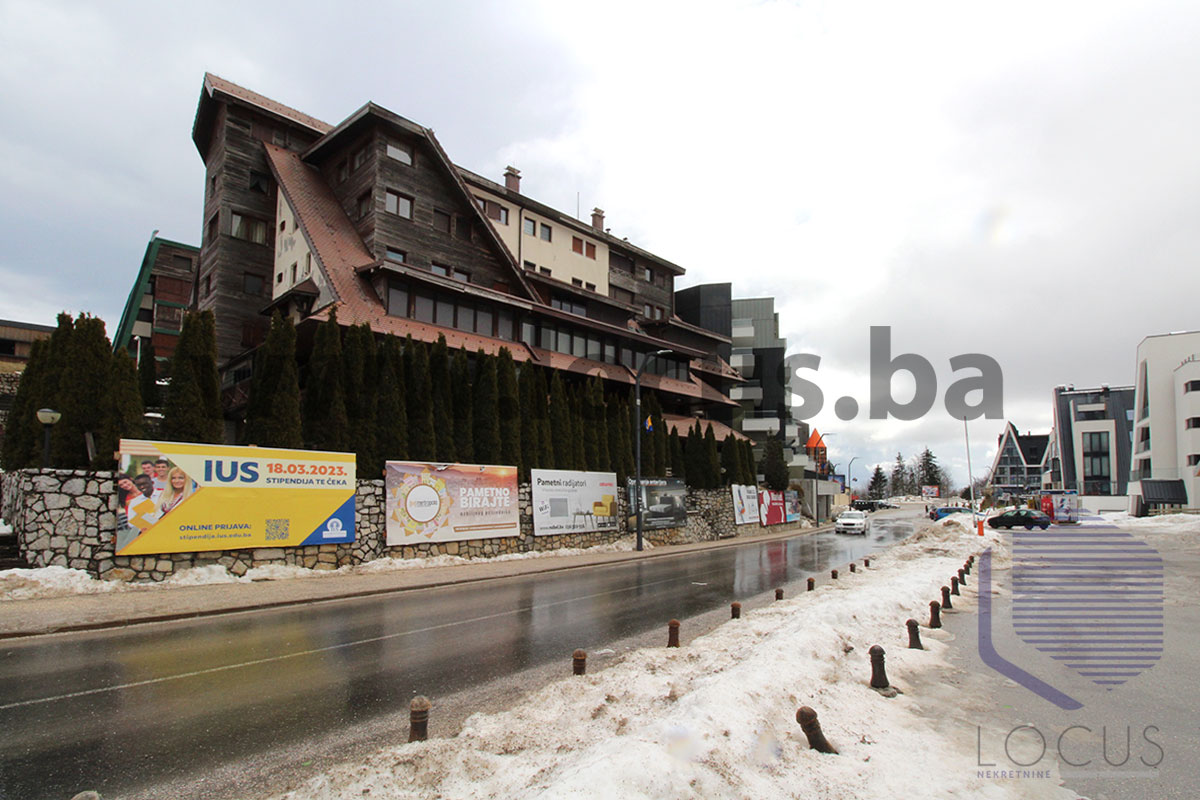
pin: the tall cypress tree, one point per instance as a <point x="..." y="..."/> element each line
<point x="675" y="447"/>
<point x="358" y="358"/>
<point x="712" y="462"/>
<point x="460" y="390"/>
<point x="529" y="420"/>
<point x="443" y="411"/>
<point x="125" y="415"/>
<point x="391" y="417"/>
<point x="209" y="378"/>
<point x="486" y="412"/>
<point x="509" y="410"/>
<point x="21" y="442"/>
<point x="751" y="474"/>
<point x="544" y="447"/>
<point x="589" y="435"/>
<point x="560" y="424"/>
<point x="775" y="472"/>
<point x="731" y="461"/>
<point x="147" y="368"/>
<point x="421" y="442"/>
<point x="326" y="425"/>
<point x="56" y="378"/>
<point x="600" y="422"/>
<point x="617" y="422"/>
<point x="273" y="410"/>
<point x="693" y="453"/>
<point x="627" y="429"/>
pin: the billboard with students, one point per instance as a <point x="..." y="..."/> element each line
<point x="179" y="497"/>
<point x="427" y="502"/>
<point x="566" y="501"/>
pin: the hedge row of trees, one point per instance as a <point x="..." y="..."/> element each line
<point x="402" y="399"/>
<point x="907" y="477"/>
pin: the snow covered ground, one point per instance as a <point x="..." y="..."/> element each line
<point x="25" y="584"/>
<point x="716" y="718"/>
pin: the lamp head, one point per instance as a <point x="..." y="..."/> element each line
<point x="48" y="416"/>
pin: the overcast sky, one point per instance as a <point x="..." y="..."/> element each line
<point x="1018" y="179"/>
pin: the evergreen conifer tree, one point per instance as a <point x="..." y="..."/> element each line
<point x="731" y="461"/>
<point x="125" y="416"/>
<point x="326" y="424"/>
<point x="560" y="424"/>
<point x="391" y="417"/>
<point x="600" y="421"/>
<point x="588" y="429"/>
<point x="442" y="399"/>
<point x="877" y="488"/>
<point x="419" y="389"/>
<point x="21" y="442"/>
<point x="509" y="411"/>
<point x="529" y="421"/>
<point x="616" y="422"/>
<point x="192" y="407"/>
<point x="460" y="391"/>
<point x="678" y="464"/>
<point x="712" y="461"/>
<point x="487" y="410"/>
<point x="693" y="457"/>
<point x="209" y="378"/>
<point x="751" y="474"/>
<point x="273" y="409"/>
<point x="147" y="368"/>
<point x="775" y="472"/>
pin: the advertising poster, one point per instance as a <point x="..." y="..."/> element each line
<point x="931" y="491"/>
<point x="449" y="502"/>
<point x="176" y="497"/>
<point x="573" y="502"/>
<point x="664" y="503"/>
<point x="771" y="507"/>
<point x="745" y="504"/>
<point x="791" y="502"/>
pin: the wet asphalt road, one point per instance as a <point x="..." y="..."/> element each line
<point x="126" y="710"/>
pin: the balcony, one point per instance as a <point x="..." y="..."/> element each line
<point x="742" y="333"/>
<point x="752" y="424"/>
<point x="743" y="363"/>
<point x="746" y="393"/>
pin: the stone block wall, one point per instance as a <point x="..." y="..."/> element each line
<point x="68" y="518"/>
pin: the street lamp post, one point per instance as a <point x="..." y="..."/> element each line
<point x="848" y="468"/>
<point x="637" y="438"/>
<point x="47" y="416"/>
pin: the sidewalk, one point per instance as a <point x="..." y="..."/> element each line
<point x="20" y="618"/>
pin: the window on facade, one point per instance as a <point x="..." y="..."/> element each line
<point x="441" y="221"/>
<point x="543" y="271"/>
<point x="647" y="310"/>
<point x="208" y="284"/>
<point x="647" y="274"/>
<point x="260" y="182"/>
<point x="1193" y="459"/>
<point x="398" y="204"/>
<point x="545" y="232"/>
<point x="577" y="245"/>
<point x="591" y="287"/>
<point x="627" y="357"/>
<point x="400" y="152"/>
<point x="483" y="321"/>
<point x="504" y="324"/>
<point x="307" y="264"/>
<point x="423" y="307"/>
<point x="294" y="269"/>
<point x="249" y="228"/>
<point x="1095" y="443"/>
<point x="363" y="206"/>
<point x="610" y="353"/>
<point x="397" y="300"/>
<point x="444" y="313"/>
<point x="577" y="282"/>
<point x="359" y="158"/>
<point x="529" y="333"/>
<point x="343" y="170"/>
<point x="439" y="269"/>
<point x="568" y="304"/>
<point x="460" y="275"/>
<point x="282" y="225"/>
<point x="529" y="265"/>
<point x="619" y="262"/>
<point x="396" y="255"/>
<point x="659" y="312"/>
<point x="1191" y="386"/>
<point x="251" y="283"/>
<point x="529" y="226"/>
<point x="213" y="227"/>
<point x="279" y="277"/>
<point x="182" y="263"/>
<point x="167" y="318"/>
<point x="589" y="250"/>
<point x="621" y="295"/>
<point x="1192" y="422"/>
<point x="462" y="228"/>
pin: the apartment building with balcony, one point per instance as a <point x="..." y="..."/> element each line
<point x="1020" y="462"/>
<point x="369" y="218"/>
<point x="1165" y="474"/>
<point x="165" y="288"/>
<point x="1090" y="446"/>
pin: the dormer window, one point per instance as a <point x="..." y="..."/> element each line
<point x="400" y="152"/>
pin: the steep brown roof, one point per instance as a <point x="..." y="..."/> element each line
<point x="213" y="83"/>
<point x="683" y="426"/>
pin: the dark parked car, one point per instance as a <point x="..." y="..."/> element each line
<point x="1026" y="517"/>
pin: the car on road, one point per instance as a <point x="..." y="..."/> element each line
<point x="945" y="511"/>
<point x="1023" y="517"/>
<point x="852" y="522"/>
<point x="866" y="505"/>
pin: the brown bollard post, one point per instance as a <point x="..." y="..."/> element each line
<point x="879" y="678"/>
<point x="866" y="562"/>
<point x="735" y="610"/>
<point x="673" y="633"/>
<point x="914" y="635"/>
<point x="962" y="577"/>
<point x="779" y="594"/>
<point x="852" y="567"/>
<point x="812" y="731"/>
<point x="833" y="574"/>
<point x="935" y="614"/>
<point x="946" y="598"/>
<point x="579" y="662"/>
<point x="812" y="584"/>
<point x="418" y="718"/>
<point x="954" y="585"/>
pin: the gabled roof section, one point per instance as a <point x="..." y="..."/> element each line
<point x="1033" y="447"/>
<point x="215" y="86"/>
<point x="329" y="232"/>
<point x="814" y="439"/>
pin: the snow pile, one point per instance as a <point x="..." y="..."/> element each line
<point x="716" y="718"/>
<point x="28" y="584"/>
<point x="1181" y="528"/>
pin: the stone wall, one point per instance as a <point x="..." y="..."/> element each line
<point x="68" y="518"/>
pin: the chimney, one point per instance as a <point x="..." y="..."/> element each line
<point x="512" y="179"/>
<point x="598" y="219"/>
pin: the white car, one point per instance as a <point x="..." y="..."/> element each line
<point x="852" y="522"/>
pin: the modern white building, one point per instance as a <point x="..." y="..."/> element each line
<point x="1090" y="445"/>
<point x="1166" y="433"/>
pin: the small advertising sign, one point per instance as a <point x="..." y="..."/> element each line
<point x="745" y="504"/>
<point x="931" y="491"/>
<point x="177" y="497"/>
<point x="449" y="502"/>
<point x="573" y="502"/>
<point x="791" y="501"/>
<point x="664" y="503"/>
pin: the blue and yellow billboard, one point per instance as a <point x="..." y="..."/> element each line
<point x="176" y="497"/>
